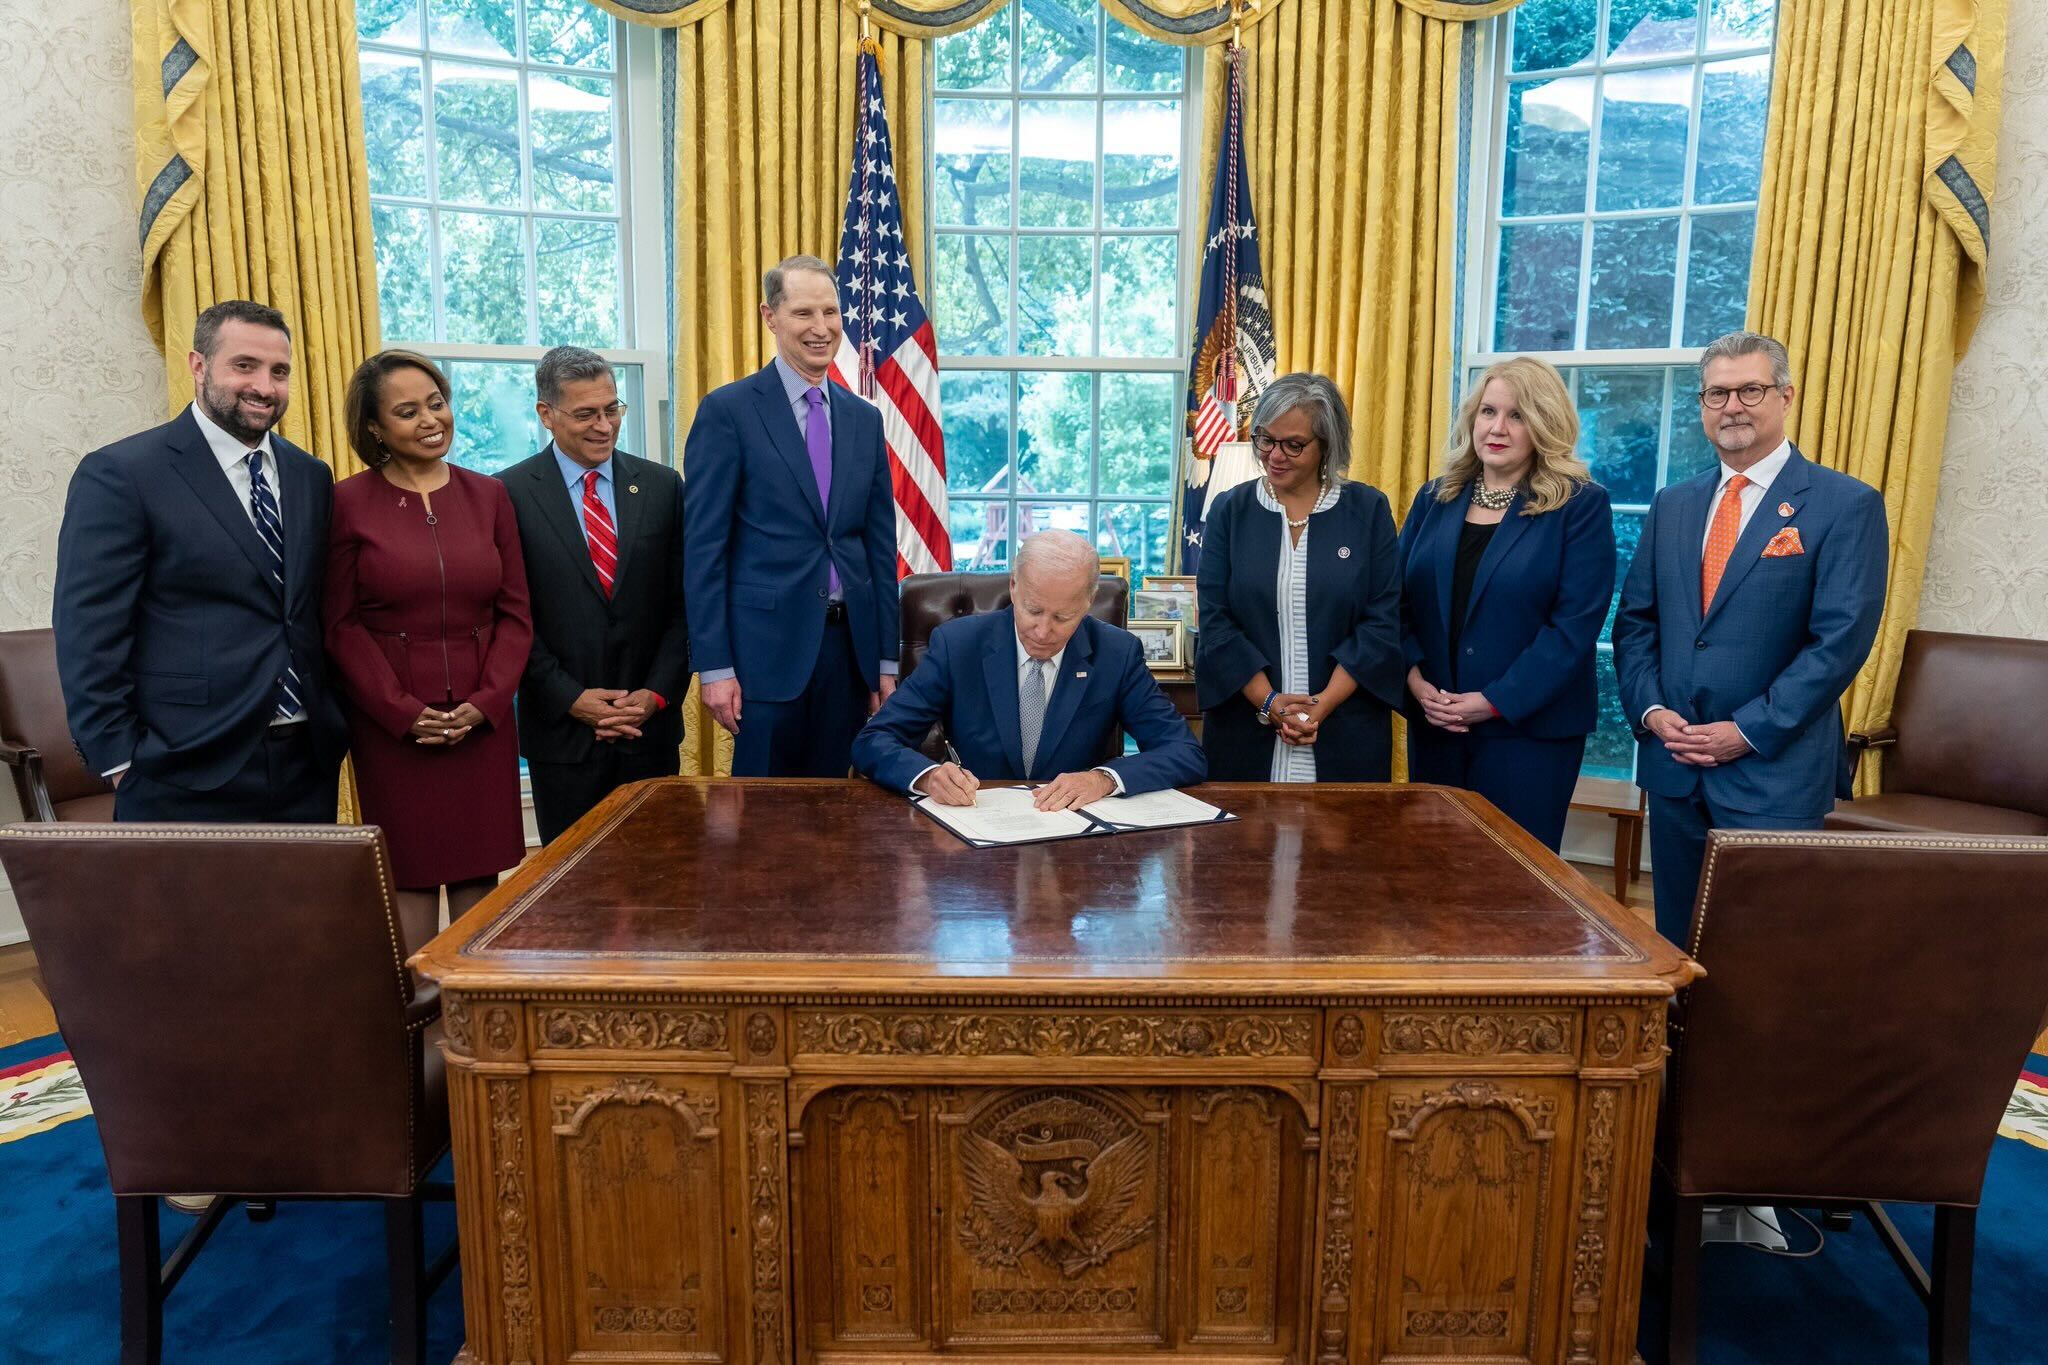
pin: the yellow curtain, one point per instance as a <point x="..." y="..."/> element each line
<point x="252" y="183"/>
<point x="1870" y="252"/>
<point x="764" y="149"/>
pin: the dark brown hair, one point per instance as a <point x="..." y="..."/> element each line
<point x="365" y="389"/>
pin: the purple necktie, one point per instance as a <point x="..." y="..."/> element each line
<point x="818" y="440"/>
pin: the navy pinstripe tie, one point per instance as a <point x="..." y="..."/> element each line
<point x="270" y="527"/>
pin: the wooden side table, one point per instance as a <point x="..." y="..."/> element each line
<point x="1628" y="804"/>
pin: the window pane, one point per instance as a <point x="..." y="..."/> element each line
<point x="1635" y="267"/>
<point x="404" y="277"/>
<point x="568" y="33"/>
<point x="388" y="21"/>
<point x="1611" y="749"/>
<point x="495" y="427"/>
<point x="483" y="279"/>
<point x="394" y="125"/>
<point x="1054" y="426"/>
<point x="1138" y="531"/>
<point x="571" y="119"/>
<point x="977" y="58"/>
<point x="1055" y="296"/>
<point x="1554" y="33"/>
<point x="1137" y="431"/>
<point x="1643" y="121"/>
<point x="980" y="534"/>
<point x="1733" y="106"/>
<point x="485" y="28"/>
<point x="1133" y="61"/>
<point x="971" y="294"/>
<point x="975" y="411"/>
<point x="1033" y="517"/>
<point x="1717" y="275"/>
<point x="576" y="267"/>
<point x="1141" y="163"/>
<point x="1056" y="45"/>
<point x="1622" y="414"/>
<point x="476" y="134"/>
<point x="971" y="162"/>
<point x="1691" y="452"/>
<point x="1740" y="23"/>
<point x="1652" y="28"/>
<point x="1550" y="126"/>
<point x="1628" y="534"/>
<point x="1539" y="287"/>
<point x="1056" y="163"/>
<point x="1139" y="290"/>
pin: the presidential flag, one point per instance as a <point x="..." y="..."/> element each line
<point x="1234" y="359"/>
<point x="888" y="353"/>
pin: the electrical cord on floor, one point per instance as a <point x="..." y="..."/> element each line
<point x="1819" y="1245"/>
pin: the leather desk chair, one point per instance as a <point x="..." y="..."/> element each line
<point x="1869" y="1000"/>
<point x="35" y="741"/>
<point x="237" y="1001"/>
<point x="929" y="600"/>
<point x="1961" y="754"/>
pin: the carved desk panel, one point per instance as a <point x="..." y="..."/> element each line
<point x="778" y="1071"/>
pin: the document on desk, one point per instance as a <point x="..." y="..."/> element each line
<point x="1154" y="810"/>
<point x="1005" y="815"/>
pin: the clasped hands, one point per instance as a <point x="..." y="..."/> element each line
<point x="1298" y="717"/>
<point x="949" y="784"/>
<point x="1456" y="712"/>
<point x="1707" y="745"/>
<point x="613" y="712"/>
<point x="441" y="728"/>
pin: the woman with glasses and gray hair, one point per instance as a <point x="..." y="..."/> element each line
<point x="1508" y="565"/>
<point x="1298" y="662"/>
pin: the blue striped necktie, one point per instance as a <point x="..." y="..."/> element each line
<point x="271" y="528"/>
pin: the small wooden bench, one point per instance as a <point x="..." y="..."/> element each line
<point x="1627" y="803"/>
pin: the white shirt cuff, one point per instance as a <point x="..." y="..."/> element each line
<point x="1115" y="778"/>
<point x="712" y="675"/>
<point x="111" y="772"/>
<point x="888" y="668"/>
<point x="1660" y="706"/>
<point x="1745" y="738"/>
<point x="921" y="777"/>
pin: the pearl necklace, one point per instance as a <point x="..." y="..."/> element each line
<point x="1321" y="487"/>
<point x="1492" y="499"/>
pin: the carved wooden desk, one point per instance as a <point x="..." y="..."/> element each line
<point x="779" y="1071"/>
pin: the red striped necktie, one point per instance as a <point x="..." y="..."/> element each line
<point x="597" y="529"/>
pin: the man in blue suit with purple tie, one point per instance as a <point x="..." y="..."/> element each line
<point x="1753" y="600"/>
<point x="789" y="545"/>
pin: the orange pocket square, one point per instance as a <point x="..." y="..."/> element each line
<point x="1784" y="544"/>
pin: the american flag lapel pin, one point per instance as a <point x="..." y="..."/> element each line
<point x="1081" y="673"/>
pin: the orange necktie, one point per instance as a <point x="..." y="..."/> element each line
<point x="1721" y="537"/>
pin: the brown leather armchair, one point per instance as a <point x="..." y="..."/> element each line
<point x="1960" y="754"/>
<point x="237" y="1001"/>
<point x="35" y="742"/>
<point x="1869" y="999"/>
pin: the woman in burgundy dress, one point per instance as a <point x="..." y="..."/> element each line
<point x="427" y="624"/>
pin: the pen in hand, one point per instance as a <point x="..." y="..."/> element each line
<point x="953" y="785"/>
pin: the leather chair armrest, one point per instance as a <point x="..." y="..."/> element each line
<point x="18" y="755"/>
<point x="426" y="1002"/>
<point x="29" y="785"/>
<point x="1861" y="741"/>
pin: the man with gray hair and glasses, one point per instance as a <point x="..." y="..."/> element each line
<point x="603" y="534"/>
<point x="1753" y="600"/>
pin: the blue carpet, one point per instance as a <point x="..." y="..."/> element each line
<point x="308" y="1287"/>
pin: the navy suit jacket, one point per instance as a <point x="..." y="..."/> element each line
<point x="1780" y="644"/>
<point x="170" y="631"/>
<point x="1538" y="601"/>
<point x="1354" y="619"/>
<point x="756" y="537"/>
<point x="968" y="683"/>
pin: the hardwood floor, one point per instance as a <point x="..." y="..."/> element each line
<point x="24" y="1010"/>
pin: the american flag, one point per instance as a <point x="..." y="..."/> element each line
<point x="1234" y="353"/>
<point x="888" y="353"/>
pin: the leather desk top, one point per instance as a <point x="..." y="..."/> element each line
<point x="840" y="889"/>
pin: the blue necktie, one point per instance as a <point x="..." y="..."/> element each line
<point x="271" y="528"/>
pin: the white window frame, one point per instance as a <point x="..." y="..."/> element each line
<point x="1187" y="268"/>
<point x="637" y="153"/>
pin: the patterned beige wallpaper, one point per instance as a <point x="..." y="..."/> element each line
<point x="1987" y="571"/>
<point x="79" y="367"/>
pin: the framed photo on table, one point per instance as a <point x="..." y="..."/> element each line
<point x="1165" y="642"/>
<point x="1167" y="597"/>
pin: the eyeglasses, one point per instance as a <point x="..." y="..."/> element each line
<point x="583" y="417"/>
<point x="1750" y="394"/>
<point x="1263" y="442"/>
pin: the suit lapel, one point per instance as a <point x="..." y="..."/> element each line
<point x="627" y="501"/>
<point x="1066" y="695"/>
<point x="295" y="505"/>
<point x="1789" y="486"/>
<point x="999" y="667"/>
<point x="1692" y="532"/>
<point x="194" y="461"/>
<point x="772" y="407"/>
<point x="553" y="496"/>
<point x="1512" y="527"/>
<point x="846" y="480"/>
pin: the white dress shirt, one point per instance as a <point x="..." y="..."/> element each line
<point x="1761" y="476"/>
<point x="1052" y="678"/>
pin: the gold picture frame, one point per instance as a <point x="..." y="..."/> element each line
<point x="1165" y="644"/>
<point x="1167" y="597"/>
<point x="1117" y="566"/>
